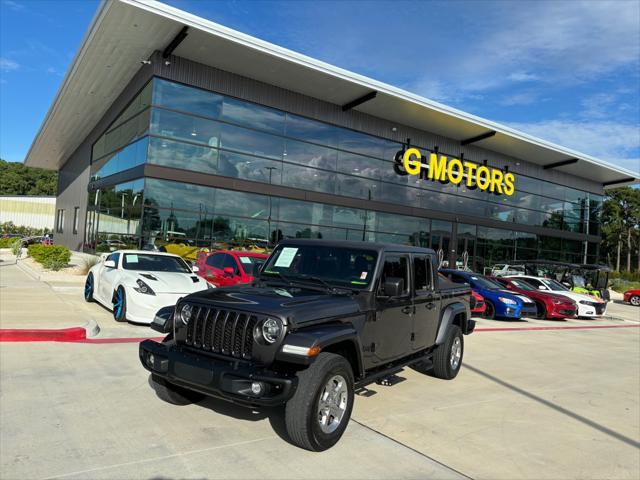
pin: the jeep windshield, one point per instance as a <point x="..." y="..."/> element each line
<point x="351" y="268"/>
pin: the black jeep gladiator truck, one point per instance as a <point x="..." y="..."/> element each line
<point x="322" y="320"/>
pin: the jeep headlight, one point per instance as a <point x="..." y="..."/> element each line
<point x="508" y="301"/>
<point x="271" y="329"/>
<point x="185" y="313"/>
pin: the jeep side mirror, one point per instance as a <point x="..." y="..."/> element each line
<point x="393" y="287"/>
<point x="110" y="264"/>
<point x="228" y="271"/>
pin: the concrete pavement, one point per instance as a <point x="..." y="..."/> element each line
<point x="528" y="404"/>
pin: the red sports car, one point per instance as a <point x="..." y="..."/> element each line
<point x="549" y="305"/>
<point x="477" y="303"/>
<point x="633" y="297"/>
<point x="229" y="267"/>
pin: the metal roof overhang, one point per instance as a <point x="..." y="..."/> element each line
<point x="125" y="32"/>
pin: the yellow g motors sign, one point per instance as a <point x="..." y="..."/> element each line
<point x="452" y="170"/>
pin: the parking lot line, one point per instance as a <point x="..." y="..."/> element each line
<point x="568" y="327"/>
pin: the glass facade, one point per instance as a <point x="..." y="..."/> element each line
<point x="186" y="128"/>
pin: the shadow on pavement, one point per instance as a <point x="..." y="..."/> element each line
<point x="558" y="408"/>
<point x="275" y="415"/>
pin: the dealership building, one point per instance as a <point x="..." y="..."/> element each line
<point x="171" y="128"/>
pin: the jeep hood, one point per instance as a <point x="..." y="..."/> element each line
<point x="295" y="304"/>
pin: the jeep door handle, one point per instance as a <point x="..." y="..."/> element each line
<point x="430" y="306"/>
<point x="407" y="310"/>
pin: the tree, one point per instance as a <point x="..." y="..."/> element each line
<point x="16" y="179"/>
<point x="621" y="224"/>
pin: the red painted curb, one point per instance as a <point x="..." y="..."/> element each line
<point x="73" y="334"/>
<point x="576" y="327"/>
<point x="120" y="340"/>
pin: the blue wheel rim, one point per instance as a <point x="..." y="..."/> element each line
<point x="88" y="287"/>
<point x="119" y="303"/>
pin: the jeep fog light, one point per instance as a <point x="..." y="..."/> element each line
<point x="150" y="360"/>
<point x="256" y="388"/>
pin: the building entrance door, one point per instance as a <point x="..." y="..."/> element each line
<point x="441" y="241"/>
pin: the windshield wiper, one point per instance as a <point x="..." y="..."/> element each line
<point x="329" y="287"/>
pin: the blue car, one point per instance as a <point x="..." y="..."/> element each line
<point x="501" y="303"/>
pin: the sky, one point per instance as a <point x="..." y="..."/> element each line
<point x="564" y="71"/>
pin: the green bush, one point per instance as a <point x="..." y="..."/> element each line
<point x="6" y="242"/>
<point x="52" y="257"/>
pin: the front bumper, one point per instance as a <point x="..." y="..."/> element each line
<point x="142" y="308"/>
<point x="227" y="379"/>
<point x="529" y="310"/>
<point x="562" y="311"/>
<point x="592" y="310"/>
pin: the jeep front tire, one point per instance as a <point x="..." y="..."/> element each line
<point x="447" y="358"/>
<point x="317" y="414"/>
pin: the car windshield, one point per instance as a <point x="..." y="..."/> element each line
<point x="246" y="259"/>
<point x="336" y="266"/>
<point x="154" y="263"/>
<point x="484" y="282"/>
<point x="578" y="281"/>
<point x="555" y="285"/>
<point x="522" y="285"/>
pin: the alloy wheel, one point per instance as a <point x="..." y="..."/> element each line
<point x="456" y="353"/>
<point x="332" y="404"/>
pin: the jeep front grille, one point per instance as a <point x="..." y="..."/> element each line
<point x="221" y="331"/>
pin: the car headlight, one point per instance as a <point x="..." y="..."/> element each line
<point x="555" y="301"/>
<point x="586" y="302"/>
<point x="185" y="313"/>
<point x="271" y="329"/>
<point x="143" y="288"/>
<point x="508" y="301"/>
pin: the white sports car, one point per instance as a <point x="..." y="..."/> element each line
<point x="588" y="306"/>
<point x="135" y="284"/>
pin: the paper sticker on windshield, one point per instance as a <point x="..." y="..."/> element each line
<point x="132" y="258"/>
<point x="286" y="257"/>
<point x="245" y="260"/>
<point x="363" y="275"/>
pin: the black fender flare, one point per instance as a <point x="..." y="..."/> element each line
<point x="323" y="336"/>
<point x="447" y="316"/>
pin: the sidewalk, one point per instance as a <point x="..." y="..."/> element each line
<point x="26" y="303"/>
<point x="30" y="300"/>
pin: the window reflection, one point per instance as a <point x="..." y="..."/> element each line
<point x="189" y="99"/>
<point x="174" y="154"/>
<point x="253" y="115"/>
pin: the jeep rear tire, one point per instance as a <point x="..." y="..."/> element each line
<point x="447" y="358"/>
<point x="174" y="394"/>
<point x="317" y="414"/>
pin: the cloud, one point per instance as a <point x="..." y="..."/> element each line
<point x="522" y="77"/>
<point x="7" y="65"/>
<point x="614" y="142"/>
<point x="564" y="43"/>
<point x="520" y="98"/>
<point x="15" y="6"/>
